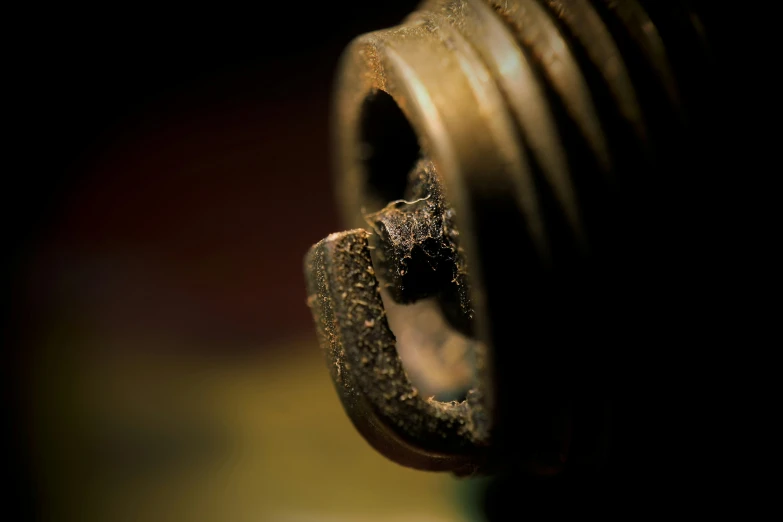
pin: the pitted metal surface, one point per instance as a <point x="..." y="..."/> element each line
<point x="372" y="383"/>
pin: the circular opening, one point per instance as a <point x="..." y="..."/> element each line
<point x="389" y="148"/>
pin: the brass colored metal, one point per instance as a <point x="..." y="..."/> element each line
<point x="582" y="20"/>
<point x="526" y="98"/>
<point x="644" y="33"/>
<point x="536" y="29"/>
<point x="532" y="115"/>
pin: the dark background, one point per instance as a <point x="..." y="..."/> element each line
<point x="201" y="136"/>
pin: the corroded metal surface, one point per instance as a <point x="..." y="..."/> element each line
<point x="415" y="248"/>
<point x="373" y="386"/>
<point x="506" y="159"/>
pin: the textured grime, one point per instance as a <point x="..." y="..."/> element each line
<point x="415" y="248"/>
<point x="345" y="299"/>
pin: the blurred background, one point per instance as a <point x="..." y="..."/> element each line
<point x="173" y="169"/>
